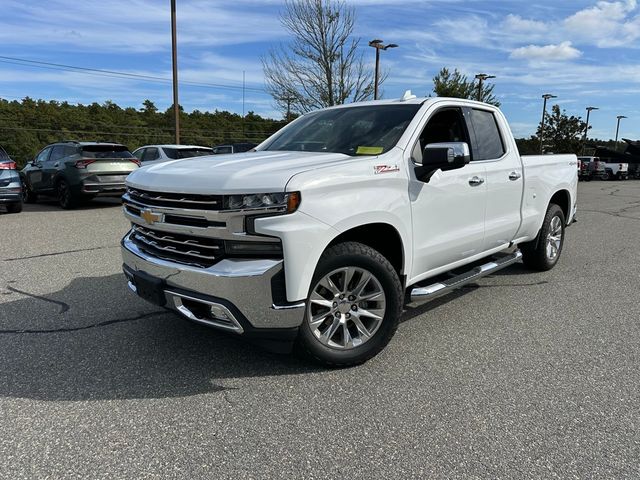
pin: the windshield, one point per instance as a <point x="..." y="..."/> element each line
<point x="366" y="130"/>
<point x="176" y="153"/>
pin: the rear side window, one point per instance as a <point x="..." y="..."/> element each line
<point x="106" y="151"/>
<point x="489" y="145"/>
<point x="57" y="153"/>
<point x="150" y="154"/>
<point x="3" y="155"/>
<point x="219" y="150"/>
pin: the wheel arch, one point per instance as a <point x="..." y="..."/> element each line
<point x="562" y="198"/>
<point x="382" y="237"/>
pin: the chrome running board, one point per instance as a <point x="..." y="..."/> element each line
<point x="446" y="286"/>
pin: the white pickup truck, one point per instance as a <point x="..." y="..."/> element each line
<point x="319" y="237"/>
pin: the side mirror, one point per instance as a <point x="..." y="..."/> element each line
<point x="442" y="156"/>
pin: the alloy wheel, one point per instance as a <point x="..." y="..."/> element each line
<point x="346" y="308"/>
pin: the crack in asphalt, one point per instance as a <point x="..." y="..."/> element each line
<point x="84" y="327"/>
<point x="63" y="306"/>
<point x="60" y="253"/>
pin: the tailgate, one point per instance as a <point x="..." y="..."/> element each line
<point x="108" y="159"/>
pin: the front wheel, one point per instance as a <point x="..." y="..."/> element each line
<point x="353" y="308"/>
<point x="544" y="254"/>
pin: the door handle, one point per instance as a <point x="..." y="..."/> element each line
<point x="513" y="176"/>
<point x="475" y="181"/>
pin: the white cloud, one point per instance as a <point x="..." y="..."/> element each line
<point x="522" y="26"/>
<point x="607" y="24"/>
<point x="547" y="53"/>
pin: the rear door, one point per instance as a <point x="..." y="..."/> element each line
<point x="504" y="174"/>
<point x="52" y="165"/>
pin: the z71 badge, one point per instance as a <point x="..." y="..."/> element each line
<point x="385" y="169"/>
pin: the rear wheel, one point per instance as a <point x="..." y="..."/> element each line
<point x="65" y="196"/>
<point x="544" y="254"/>
<point x="353" y="308"/>
<point x="14" y="207"/>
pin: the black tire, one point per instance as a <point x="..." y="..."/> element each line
<point x="66" y="198"/>
<point x="588" y="179"/>
<point x="28" y="195"/>
<point x="534" y="254"/>
<point x="358" y="255"/>
<point x="14" y="207"/>
<point x="607" y="175"/>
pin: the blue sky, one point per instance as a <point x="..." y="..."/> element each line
<point x="585" y="51"/>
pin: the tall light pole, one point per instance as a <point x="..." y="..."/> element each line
<point x="619" y="117"/>
<point x="377" y="44"/>
<point x="546" y="97"/>
<point x="481" y="77"/>
<point x="586" y="128"/>
<point x="174" y="58"/>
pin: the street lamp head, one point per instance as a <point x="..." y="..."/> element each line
<point x="391" y="45"/>
<point x="589" y="109"/>
<point x="375" y="43"/>
<point x="547" y="96"/>
<point x="621" y="117"/>
<point x="484" y="76"/>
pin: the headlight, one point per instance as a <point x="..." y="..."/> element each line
<point x="284" y="202"/>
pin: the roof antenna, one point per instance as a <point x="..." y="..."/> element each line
<point x="407" y="96"/>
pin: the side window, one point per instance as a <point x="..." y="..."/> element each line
<point x="489" y="144"/>
<point x="69" y="151"/>
<point x="446" y="125"/>
<point x="57" y="153"/>
<point x="151" y="154"/>
<point x="139" y="153"/>
<point x="172" y="153"/>
<point x="43" y="155"/>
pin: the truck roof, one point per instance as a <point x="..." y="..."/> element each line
<point x="407" y="98"/>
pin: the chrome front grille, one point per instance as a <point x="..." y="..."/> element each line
<point x="190" y="250"/>
<point x="176" y="200"/>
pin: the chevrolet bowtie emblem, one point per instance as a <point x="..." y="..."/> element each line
<point x="150" y="217"/>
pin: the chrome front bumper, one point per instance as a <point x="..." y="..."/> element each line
<point x="239" y="293"/>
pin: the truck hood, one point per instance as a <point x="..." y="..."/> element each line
<point x="251" y="172"/>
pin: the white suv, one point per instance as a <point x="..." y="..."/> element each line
<point x="163" y="153"/>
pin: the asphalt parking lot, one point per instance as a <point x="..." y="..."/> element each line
<point x="523" y="375"/>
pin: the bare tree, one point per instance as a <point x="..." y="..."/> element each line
<point x="322" y="66"/>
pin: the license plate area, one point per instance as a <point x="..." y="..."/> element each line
<point x="149" y="288"/>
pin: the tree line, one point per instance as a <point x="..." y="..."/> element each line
<point x="28" y="125"/>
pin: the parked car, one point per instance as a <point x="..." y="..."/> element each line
<point x="606" y="170"/>
<point x="317" y="238"/>
<point x="10" y="188"/>
<point x="233" y="148"/>
<point x="77" y="171"/>
<point x="163" y="153"/>
<point x="591" y="167"/>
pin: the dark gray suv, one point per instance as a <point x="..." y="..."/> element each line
<point x="77" y="171"/>
<point x="10" y="190"/>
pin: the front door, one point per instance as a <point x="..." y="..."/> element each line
<point x="448" y="210"/>
<point x="34" y="174"/>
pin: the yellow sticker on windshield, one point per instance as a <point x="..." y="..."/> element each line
<point x="369" y="150"/>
